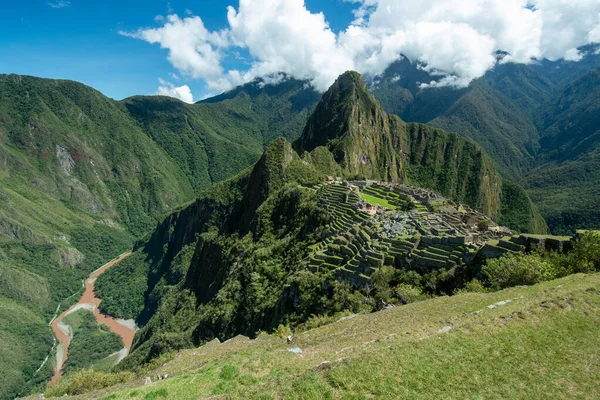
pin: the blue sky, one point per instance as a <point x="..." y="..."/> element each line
<point x="197" y="49"/>
<point x="81" y="41"/>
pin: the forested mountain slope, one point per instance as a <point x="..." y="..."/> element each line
<point x="82" y="175"/>
<point x="565" y="185"/>
<point x="479" y="112"/>
<point x="536" y="121"/>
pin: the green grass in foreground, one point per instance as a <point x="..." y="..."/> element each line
<point x="377" y="201"/>
<point x="542" y="343"/>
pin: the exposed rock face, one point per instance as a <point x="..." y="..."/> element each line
<point x="65" y="160"/>
<point x="68" y="256"/>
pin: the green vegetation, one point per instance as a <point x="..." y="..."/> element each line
<point x="538" y="122"/>
<point x="122" y="291"/>
<point x="528" y="269"/>
<point x="82" y="176"/>
<point x="84" y="381"/>
<point x="517" y="210"/>
<point x="565" y="183"/>
<point x="512" y="270"/>
<point x="377" y="201"/>
<point x="542" y="340"/>
<point x="91" y="342"/>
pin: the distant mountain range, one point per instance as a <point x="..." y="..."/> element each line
<point x="538" y="122"/>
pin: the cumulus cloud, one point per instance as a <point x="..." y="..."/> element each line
<point x="193" y="50"/>
<point x="182" y="93"/>
<point x="59" y="4"/>
<point x="455" y="40"/>
<point x="283" y="36"/>
<point x="573" y="55"/>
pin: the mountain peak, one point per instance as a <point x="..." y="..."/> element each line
<point x="349" y="80"/>
<point x="340" y="114"/>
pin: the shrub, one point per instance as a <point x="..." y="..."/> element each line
<point x="346" y="298"/>
<point x="382" y="279"/>
<point x="283" y="331"/>
<point x="406" y="293"/>
<point x="160" y="393"/>
<point x="586" y="252"/>
<point x="483" y="225"/>
<point x="229" y="372"/>
<point x="315" y="321"/>
<point x="513" y="270"/>
<point x="409" y="277"/>
<point x="475" y="286"/>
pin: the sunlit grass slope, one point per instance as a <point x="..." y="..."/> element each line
<point x="524" y="342"/>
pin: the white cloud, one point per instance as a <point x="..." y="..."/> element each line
<point x="182" y="93"/>
<point x="594" y="36"/>
<point x="193" y="50"/>
<point x="573" y="55"/>
<point x="454" y="39"/>
<point x="59" y="4"/>
<point x="283" y="36"/>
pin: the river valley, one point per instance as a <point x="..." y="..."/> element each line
<point x="89" y="301"/>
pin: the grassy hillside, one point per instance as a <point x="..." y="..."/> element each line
<point x="522" y="342"/>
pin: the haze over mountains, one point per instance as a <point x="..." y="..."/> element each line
<point x="83" y="176"/>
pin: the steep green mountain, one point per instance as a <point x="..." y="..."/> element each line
<point x="535" y="121"/>
<point x="76" y="172"/>
<point x="239" y="259"/>
<point x="565" y="185"/>
<point x="480" y="112"/>
<point x="218" y="137"/>
<point x="562" y="73"/>
<point x="82" y="175"/>
<point x="571" y="122"/>
<point x="527" y="87"/>
<point x="367" y="142"/>
<point x="279" y="108"/>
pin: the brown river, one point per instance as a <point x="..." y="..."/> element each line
<point x="89" y="301"/>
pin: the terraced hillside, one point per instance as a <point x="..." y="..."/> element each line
<point x="381" y="224"/>
<point x="368" y="143"/>
<point x="522" y="342"/>
<point x="364" y="235"/>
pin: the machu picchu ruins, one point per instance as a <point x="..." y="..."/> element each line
<point x="376" y="223"/>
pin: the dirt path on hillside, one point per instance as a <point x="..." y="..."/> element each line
<point x="89" y="301"/>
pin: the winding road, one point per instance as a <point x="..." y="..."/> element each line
<point x="89" y="301"/>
